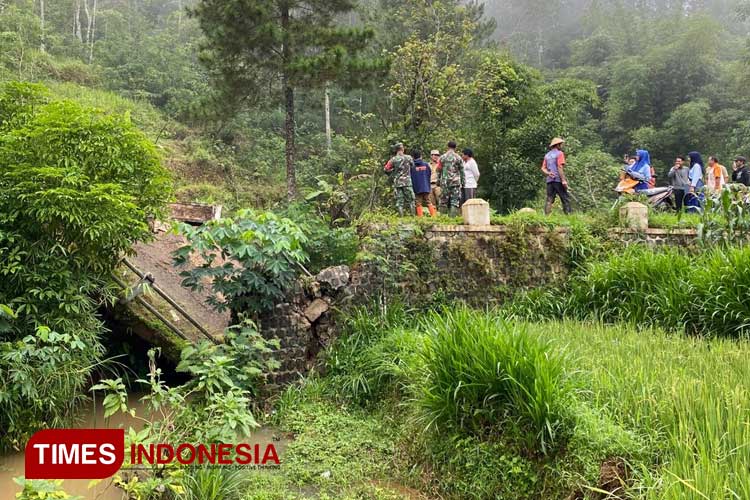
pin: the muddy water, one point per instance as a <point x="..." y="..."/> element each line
<point x="12" y="465"/>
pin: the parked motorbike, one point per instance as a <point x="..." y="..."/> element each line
<point x="659" y="198"/>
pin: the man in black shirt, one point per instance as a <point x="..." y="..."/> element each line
<point x="740" y="171"/>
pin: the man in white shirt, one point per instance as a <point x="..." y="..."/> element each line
<point x="471" y="174"/>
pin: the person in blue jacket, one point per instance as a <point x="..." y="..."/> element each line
<point x="696" y="171"/>
<point x="420" y="180"/>
<point x="641" y="170"/>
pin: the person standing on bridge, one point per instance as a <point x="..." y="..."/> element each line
<point x="553" y="167"/>
<point x="471" y="175"/>
<point x="435" y="178"/>
<point x="420" y="179"/>
<point x="740" y="171"/>
<point x="451" y="168"/>
<point x="399" y="168"/>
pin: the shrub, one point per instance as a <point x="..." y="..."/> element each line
<point x="482" y="374"/>
<point x="77" y="187"/>
<point x="251" y="260"/>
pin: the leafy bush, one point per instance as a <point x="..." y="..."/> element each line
<point x="250" y="260"/>
<point x="39" y="489"/>
<point x="78" y="187"/>
<point x="328" y="244"/>
<point x="482" y="374"/>
<point x="726" y="220"/>
<point x="214" y="407"/>
<point x="244" y="347"/>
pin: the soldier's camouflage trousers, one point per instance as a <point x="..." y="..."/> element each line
<point x="405" y="199"/>
<point x="450" y="197"/>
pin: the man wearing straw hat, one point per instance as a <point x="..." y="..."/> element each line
<point x="553" y="167"/>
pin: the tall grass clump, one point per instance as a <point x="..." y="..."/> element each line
<point x="374" y="356"/>
<point x="705" y="293"/>
<point x="722" y="304"/>
<point x="638" y="286"/>
<point x="482" y="375"/>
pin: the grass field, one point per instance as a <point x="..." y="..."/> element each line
<point x="671" y="411"/>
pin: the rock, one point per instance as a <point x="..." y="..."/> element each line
<point x="326" y="474"/>
<point x="634" y="215"/>
<point x="299" y="322"/>
<point x="527" y="210"/>
<point x="313" y="290"/>
<point x="334" y="278"/>
<point x="316" y="309"/>
<point x="476" y="212"/>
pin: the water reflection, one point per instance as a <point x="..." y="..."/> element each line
<point x="93" y="417"/>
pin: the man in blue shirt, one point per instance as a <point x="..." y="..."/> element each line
<point x="420" y="180"/>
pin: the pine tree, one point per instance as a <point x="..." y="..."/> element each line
<point x="296" y="42"/>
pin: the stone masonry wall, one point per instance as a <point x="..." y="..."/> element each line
<point x="481" y="265"/>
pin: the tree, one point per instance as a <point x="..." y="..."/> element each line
<point x="250" y="42"/>
<point x="77" y="188"/>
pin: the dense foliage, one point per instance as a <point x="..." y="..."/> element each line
<point x="249" y="261"/>
<point x="78" y="186"/>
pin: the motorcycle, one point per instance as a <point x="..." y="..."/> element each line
<point x="659" y="198"/>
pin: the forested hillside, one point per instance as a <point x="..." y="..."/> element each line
<point x="502" y="77"/>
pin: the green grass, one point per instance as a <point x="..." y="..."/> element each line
<point x="676" y="409"/>
<point x="688" y="398"/>
<point x="145" y="116"/>
<point x="482" y="373"/>
<point x="661" y="220"/>
<point x="704" y="292"/>
<point x="335" y="452"/>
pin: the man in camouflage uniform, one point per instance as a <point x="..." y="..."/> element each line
<point x="399" y="167"/>
<point x="451" y="167"/>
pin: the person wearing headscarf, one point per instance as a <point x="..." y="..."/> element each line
<point x="642" y="169"/>
<point x="696" y="171"/>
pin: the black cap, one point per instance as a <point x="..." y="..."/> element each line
<point x="740" y="158"/>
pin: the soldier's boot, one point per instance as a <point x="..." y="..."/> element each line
<point x="420" y="211"/>
<point x="433" y="211"/>
<point x="453" y="212"/>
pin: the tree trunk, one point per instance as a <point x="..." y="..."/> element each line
<point x="329" y="134"/>
<point x="179" y="16"/>
<point x="87" y="38"/>
<point x="92" y="32"/>
<point x="77" y="21"/>
<point x="41" y="25"/>
<point x="291" y="174"/>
